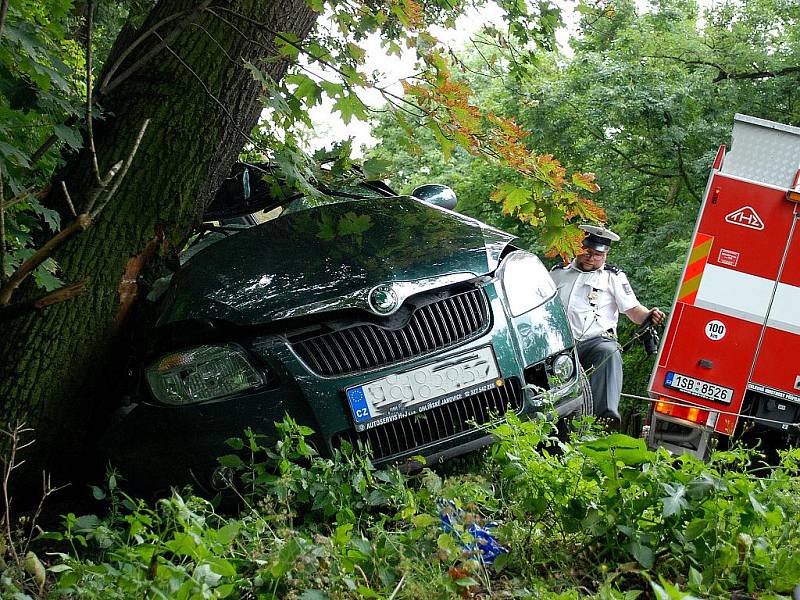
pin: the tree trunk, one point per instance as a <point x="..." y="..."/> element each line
<point x="200" y="100"/>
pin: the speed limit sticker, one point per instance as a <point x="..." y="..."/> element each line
<point x="715" y="330"/>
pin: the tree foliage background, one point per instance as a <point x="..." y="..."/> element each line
<point x="643" y="97"/>
<point x="629" y="116"/>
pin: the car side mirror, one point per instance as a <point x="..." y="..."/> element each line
<point x="435" y="193"/>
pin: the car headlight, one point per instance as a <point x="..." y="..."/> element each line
<point x="526" y="282"/>
<point x="563" y="367"/>
<point x="201" y="374"/>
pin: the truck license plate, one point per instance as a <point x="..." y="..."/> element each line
<point x="402" y="394"/>
<point x="698" y="387"/>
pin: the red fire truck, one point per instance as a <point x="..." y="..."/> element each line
<point x="731" y="349"/>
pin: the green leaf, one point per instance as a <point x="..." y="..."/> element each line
<point x="314" y="595"/>
<point x="182" y="544"/>
<point x="87" y="523"/>
<point x="695" y="528"/>
<point x="14" y="155"/>
<point x="500" y="562"/>
<point x="230" y="460"/>
<point x="307" y="89"/>
<point x="287" y="44"/>
<point x="221" y="566"/>
<point x="623" y="448"/>
<point x="70" y="135"/>
<point x="228" y="532"/>
<point x="643" y="555"/>
<point x="375" y="169"/>
<point x="333" y="90"/>
<point x="235" y="443"/>
<point x="695" y="578"/>
<point x="675" y="501"/>
<point x="424" y="520"/>
<point x="350" y="106"/>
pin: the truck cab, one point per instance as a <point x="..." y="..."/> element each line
<point x="729" y="353"/>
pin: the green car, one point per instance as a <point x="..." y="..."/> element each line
<point x="368" y="316"/>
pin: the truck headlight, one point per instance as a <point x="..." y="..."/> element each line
<point x="526" y="282"/>
<point x="201" y="374"/>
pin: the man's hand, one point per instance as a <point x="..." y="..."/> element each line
<point x="656" y="316"/>
<point x="639" y="314"/>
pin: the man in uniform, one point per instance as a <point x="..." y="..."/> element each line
<point x="594" y="294"/>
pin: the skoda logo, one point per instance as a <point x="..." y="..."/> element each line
<point x="383" y="299"/>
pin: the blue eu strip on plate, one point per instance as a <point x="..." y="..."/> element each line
<point x="358" y="404"/>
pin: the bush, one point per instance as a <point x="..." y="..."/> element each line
<point x="599" y="516"/>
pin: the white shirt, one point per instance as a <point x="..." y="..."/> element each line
<point x="593" y="299"/>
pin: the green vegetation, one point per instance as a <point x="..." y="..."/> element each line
<point x="643" y="99"/>
<point x="598" y="516"/>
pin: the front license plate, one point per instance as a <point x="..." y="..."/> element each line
<point x="402" y="394"/>
<point x="699" y="388"/>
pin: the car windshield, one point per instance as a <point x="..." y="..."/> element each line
<point x="214" y="231"/>
<point x="362" y="191"/>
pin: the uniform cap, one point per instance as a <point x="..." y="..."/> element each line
<point x="598" y="238"/>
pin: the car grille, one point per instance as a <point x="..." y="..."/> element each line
<point x="442" y="323"/>
<point x="437" y="424"/>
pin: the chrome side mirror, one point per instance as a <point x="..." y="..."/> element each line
<point x="435" y="193"/>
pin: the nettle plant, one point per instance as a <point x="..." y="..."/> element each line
<point x="606" y="509"/>
<point x="593" y="516"/>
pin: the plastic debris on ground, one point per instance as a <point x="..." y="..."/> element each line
<point x="483" y="545"/>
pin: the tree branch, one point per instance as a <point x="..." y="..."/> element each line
<point x="48" y="143"/>
<point x="684" y="175"/>
<point x="80" y="224"/>
<point x="118" y="179"/>
<point x="24" y="194"/>
<point x="62" y="294"/>
<point x="756" y="74"/>
<point x="89" y="130"/>
<point x="2" y="231"/>
<point x="3" y="12"/>
<point x="644" y="169"/>
<point x="109" y="84"/>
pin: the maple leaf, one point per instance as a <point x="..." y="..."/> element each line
<point x="307" y="89"/>
<point x="353" y="224"/>
<point x="586" y="181"/>
<point x="562" y="241"/>
<point x="349" y="107"/>
<point x="515" y="199"/>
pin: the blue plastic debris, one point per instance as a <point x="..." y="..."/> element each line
<point x="484" y="546"/>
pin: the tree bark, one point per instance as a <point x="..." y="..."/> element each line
<point x="200" y="100"/>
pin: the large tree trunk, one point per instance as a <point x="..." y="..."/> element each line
<point x="200" y="99"/>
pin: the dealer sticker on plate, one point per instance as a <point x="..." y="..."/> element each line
<point x="402" y="394"/>
<point x="698" y="387"/>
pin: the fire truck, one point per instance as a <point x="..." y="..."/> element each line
<point x="729" y="360"/>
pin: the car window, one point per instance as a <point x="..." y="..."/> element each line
<point x="349" y="193"/>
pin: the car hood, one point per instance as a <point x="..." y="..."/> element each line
<point x="329" y="257"/>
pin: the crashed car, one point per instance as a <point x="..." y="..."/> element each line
<point x="369" y="316"/>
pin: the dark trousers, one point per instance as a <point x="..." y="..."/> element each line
<point x="601" y="358"/>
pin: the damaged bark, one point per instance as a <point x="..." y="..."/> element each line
<point x="186" y="75"/>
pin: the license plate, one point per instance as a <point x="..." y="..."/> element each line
<point x="402" y="394"/>
<point x="699" y="388"/>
